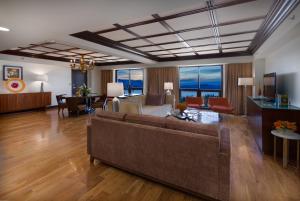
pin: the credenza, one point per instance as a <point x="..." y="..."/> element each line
<point x="261" y="116"/>
<point x="24" y="101"/>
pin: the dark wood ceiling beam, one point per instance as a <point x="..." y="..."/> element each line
<point x="214" y="23"/>
<point x="197" y="28"/>
<point x="24" y="54"/>
<point x="91" y="37"/>
<point x="202" y="38"/>
<point x="278" y="13"/>
<point x="170" y="29"/>
<point x="138" y="36"/>
<point x="181" y="14"/>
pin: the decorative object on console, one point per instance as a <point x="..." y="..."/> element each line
<point x="15" y="85"/>
<point x="169" y="87"/>
<point x="42" y="78"/>
<point x="12" y="72"/>
<point x="284" y="101"/>
<point x="114" y="90"/>
<point x="84" y="90"/>
<point x="84" y="65"/>
<point x="245" y="81"/>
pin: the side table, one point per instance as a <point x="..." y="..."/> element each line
<point x="286" y="136"/>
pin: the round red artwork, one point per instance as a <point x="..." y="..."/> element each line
<point x="14" y="85"/>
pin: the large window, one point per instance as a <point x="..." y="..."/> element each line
<point x="133" y="80"/>
<point x="200" y="81"/>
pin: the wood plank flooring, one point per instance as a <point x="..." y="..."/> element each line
<point x="43" y="157"/>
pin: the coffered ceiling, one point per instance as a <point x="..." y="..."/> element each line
<point x="155" y="31"/>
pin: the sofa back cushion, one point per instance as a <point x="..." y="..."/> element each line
<point x="119" y="116"/>
<point x="155" y="99"/>
<point x="146" y="120"/>
<point x="206" y="129"/>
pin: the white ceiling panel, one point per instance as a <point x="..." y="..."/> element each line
<point x="196" y="34"/>
<point x="159" y="52"/>
<point x="58" y="46"/>
<point x="153" y="28"/>
<point x="98" y="55"/>
<point x="202" y="42"/>
<point x="235" y="50"/>
<point x="32" y="51"/>
<point x="67" y="53"/>
<point x="235" y="44"/>
<point x="111" y="57"/>
<point x="53" y="55"/>
<point x="99" y="59"/>
<point x="209" y="52"/>
<point x="190" y="21"/>
<point x="166" y="56"/>
<point x="243" y="11"/>
<point x="136" y="43"/>
<point x="245" y="26"/>
<point x="182" y="50"/>
<point x="151" y="48"/>
<point x="42" y="49"/>
<point x="163" y="39"/>
<point x="81" y="51"/>
<point x="185" y="54"/>
<point x="173" y="45"/>
<point x="117" y="35"/>
<point x="210" y="47"/>
<point x="249" y="36"/>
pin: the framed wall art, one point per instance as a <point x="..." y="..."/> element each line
<point x="12" y="72"/>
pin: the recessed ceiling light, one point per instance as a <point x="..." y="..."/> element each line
<point x="4" y="29"/>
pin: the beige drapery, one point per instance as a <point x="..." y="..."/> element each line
<point x="106" y="77"/>
<point x="158" y="76"/>
<point x="235" y="93"/>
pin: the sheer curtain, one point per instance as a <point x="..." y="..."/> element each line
<point x="106" y="77"/>
<point x="158" y="76"/>
<point x="234" y="93"/>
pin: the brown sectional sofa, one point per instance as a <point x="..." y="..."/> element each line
<point x="188" y="156"/>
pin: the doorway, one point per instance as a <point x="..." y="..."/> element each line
<point x="78" y="79"/>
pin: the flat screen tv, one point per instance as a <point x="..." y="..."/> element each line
<point x="270" y="85"/>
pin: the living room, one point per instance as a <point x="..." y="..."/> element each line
<point x="150" y="100"/>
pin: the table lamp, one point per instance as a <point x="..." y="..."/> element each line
<point x="168" y="86"/>
<point x="114" y="90"/>
<point x="245" y="81"/>
<point x="42" y="79"/>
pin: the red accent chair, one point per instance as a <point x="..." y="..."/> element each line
<point x="220" y="105"/>
<point x="194" y="102"/>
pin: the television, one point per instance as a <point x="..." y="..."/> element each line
<point x="270" y="86"/>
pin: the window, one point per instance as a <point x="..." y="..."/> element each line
<point x="200" y="81"/>
<point x="133" y="80"/>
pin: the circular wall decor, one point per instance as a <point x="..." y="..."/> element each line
<point x="15" y="85"/>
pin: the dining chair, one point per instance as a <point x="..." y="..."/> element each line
<point x="75" y="105"/>
<point x="61" y="104"/>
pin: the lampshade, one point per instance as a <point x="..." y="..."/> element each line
<point x="115" y="89"/>
<point x="245" y="81"/>
<point x="42" y="78"/>
<point x="168" y="86"/>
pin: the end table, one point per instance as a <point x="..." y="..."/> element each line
<point x="286" y="136"/>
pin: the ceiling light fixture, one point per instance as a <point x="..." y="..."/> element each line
<point x="4" y="29"/>
<point x="83" y="65"/>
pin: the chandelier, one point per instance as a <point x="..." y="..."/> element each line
<point x="83" y="65"/>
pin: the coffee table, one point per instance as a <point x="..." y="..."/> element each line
<point x="200" y="116"/>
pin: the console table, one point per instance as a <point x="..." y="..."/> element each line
<point x="24" y="101"/>
<point x="261" y="116"/>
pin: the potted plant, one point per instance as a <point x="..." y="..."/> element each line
<point x="181" y="107"/>
<point x="285" y="126"/>
<point x="84" y="90"/>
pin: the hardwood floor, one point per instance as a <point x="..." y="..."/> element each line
<point x="43" y="157"/>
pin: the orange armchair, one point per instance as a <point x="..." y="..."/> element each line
<point x="194" y="102"/>
<point x="220" y="105"/>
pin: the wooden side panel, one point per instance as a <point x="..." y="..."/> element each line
<point x="24" y="101"/>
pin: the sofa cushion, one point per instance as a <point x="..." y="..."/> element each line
<point x="146" y="120"/>
<point x="119" y="116"/>
<point x="206" y="129"/>
<point x="154" y="99"/>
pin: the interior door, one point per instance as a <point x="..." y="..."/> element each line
<point x="78" y="79"/>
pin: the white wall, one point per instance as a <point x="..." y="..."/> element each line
<point x="59" y="77"/>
